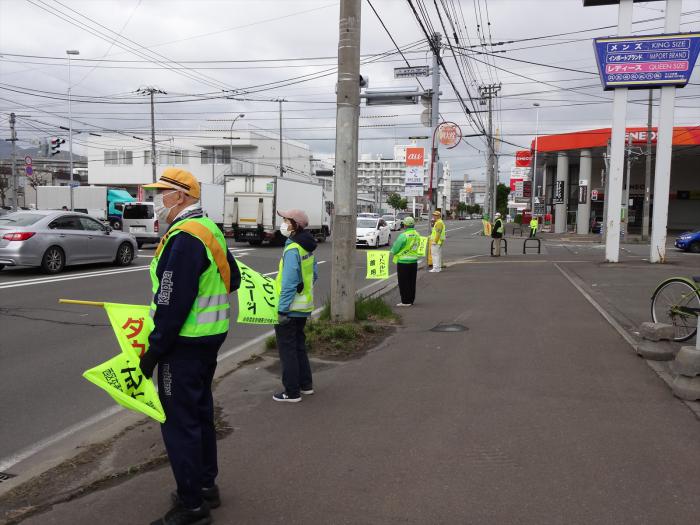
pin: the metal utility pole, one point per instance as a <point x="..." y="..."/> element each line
<point x="13" y="139"/>
<point x="533" y="178"/>
<point x="647" y="175"/>
<point x="346" y="139"/>
<point x="230" y="138"/>
<point x="280" y="100"/>
<point x="70" y="52"/>
<point x="488" y="92"/>
<point x="152" y="91"/>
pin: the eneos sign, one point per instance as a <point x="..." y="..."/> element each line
<point x="415" y="156"/>
<point x="523" y="158"/>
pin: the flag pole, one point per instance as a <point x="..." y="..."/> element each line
<point x="84" y="303"/>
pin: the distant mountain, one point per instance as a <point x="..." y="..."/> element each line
<point x="6" y="153"/>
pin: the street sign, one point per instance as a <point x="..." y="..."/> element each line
<point x="539" y="208"/>
<point x="28" y="169"/>
<point x="28" y="160"/>
<point x="411" y="72"/>
<point x="449" y="134"/>
<point x="641" y="62"/>
<point x="414" y="190"/>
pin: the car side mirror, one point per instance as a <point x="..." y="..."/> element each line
<point x="108" y="230"/>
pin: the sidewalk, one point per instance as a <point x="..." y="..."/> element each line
<point x="537" y="417"/>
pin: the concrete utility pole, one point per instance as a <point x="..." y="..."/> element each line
<point x="533" y="178"/>
<point x="280" y="100"/>
<point x="346" y="139"/>
<point x="151" y="91"/>
<point x="488" y="92"/>
<point x="434" y="116"/>
<point x="13" y="139"/>
<point x="647" y="174"/>
<point x="664" y="149"/>
<point x="626" y="192"/>
<point x="70" y="52"/>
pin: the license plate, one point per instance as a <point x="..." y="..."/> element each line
<point x="137" y="229"/>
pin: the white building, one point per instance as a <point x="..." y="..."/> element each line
<point x="475" y="191"/>
<point x="124" y="161"/>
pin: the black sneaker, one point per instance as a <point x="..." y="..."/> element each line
<point x="283" y="397"/>
<point x="210" y="495"/>
<point x="179" y="515"/>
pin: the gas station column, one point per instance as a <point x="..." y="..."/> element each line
<point x="583" y="214"/>
<point x="561" y="193"/>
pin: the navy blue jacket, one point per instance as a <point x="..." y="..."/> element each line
<point x="185" y="257"/>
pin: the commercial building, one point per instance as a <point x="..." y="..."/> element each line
<point x="571" y="172"/>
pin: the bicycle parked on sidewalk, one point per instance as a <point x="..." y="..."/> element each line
<point x="676" y="301"/>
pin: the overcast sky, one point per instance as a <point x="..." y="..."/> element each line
<point x="195" y="50"/>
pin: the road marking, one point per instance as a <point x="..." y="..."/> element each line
<point x="455" y="229"/>
<point x="45" y="280"/>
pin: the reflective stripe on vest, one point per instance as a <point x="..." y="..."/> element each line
<point x="409" y="252"/>
<point x="304" y="301"/>
<point x="210" y="311"/>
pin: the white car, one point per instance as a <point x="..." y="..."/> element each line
<point x="372" y="232"/>
<point x="392" y="222"/>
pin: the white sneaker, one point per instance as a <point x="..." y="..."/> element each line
<point x="403" y="304"/>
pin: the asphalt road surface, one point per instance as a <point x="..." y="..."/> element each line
<point x="45" y="346"/>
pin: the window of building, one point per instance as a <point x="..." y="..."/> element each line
<point x="216" y="155"/>
<point x="118" y="157"/>
<point x="170" y="157"/>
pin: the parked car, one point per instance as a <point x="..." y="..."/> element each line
<point x="139" y="219"/>
<point x="596" y="224"/>
<point x="392" y="222"/>
<point x="401" y="216"/>
<point x="689" y="242"/>
<point x="424" y="216"/>
<point x="367" y="215"/>
<point x="53" y="240"/>
<point x="372" y="232"/>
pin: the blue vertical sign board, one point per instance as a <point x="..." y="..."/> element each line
<point x="643" y="62"/>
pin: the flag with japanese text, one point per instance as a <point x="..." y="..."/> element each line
<point x="377" y="265"/>
<point x="487" y="227"/>
<point x="422" y="246"/>
<point x="122" y="379"/>
<point x="132" y="325"/>
<point x="258" y="297"/>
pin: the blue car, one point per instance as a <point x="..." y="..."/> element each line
<point x="689" y="242"/>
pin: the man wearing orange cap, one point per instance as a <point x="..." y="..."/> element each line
<point x="192" y="275"/>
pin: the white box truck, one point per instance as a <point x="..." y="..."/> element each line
<point x="251" y="204"/>
<point x="100" y="202"/>
<point x="212" y="200"/>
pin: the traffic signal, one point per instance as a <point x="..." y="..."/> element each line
<point x="56" y="145"/>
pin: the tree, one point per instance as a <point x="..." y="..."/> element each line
<point x="502" y="193"/>
<point x="395" y="201"/>
<point x="462" y="208"/>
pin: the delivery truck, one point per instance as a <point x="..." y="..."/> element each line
<point x="212" y="200"/>
<point x="251" y="205"/>
<point x="100" y="202"/>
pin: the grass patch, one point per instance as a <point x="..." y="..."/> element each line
<point x="271" y="343"/>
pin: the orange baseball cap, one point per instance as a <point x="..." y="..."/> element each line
<point x="177" y="179"/>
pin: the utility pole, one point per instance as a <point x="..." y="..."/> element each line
<point x="70" y="53"/>
<point x="647" y="175"/>
<point x="434" y="117"/>
<point x="151" y="91"/>
<point x="280" y="100"/>
<point x="626" y="191"/>
<point x="346" y="139"/>
<point x="13" y="139"/>
<point x="488" y="93"/>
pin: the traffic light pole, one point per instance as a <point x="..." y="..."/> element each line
<point x="13" y="139"/>
<point x="345" y="188"/>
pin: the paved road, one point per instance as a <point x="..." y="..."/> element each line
<point x="46" y="346"/>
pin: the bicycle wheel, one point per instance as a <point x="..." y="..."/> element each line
<point x="669" y="298"/>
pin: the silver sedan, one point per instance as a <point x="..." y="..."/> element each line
<point x="53" y="240"/>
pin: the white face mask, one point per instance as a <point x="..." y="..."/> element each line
<point x="284" y="229"/>
<point x="162" y="212"/>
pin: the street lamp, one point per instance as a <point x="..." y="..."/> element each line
<point x="70" y="52"/>
<point x="230" y="158"/>
<point x="536" y="105"/>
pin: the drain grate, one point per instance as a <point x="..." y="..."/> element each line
<point x="449" y="328"/>
<point x="4" y="476"/>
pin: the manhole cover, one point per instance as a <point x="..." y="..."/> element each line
<point x="449" y="328"/>
<point x="4" y="476"/>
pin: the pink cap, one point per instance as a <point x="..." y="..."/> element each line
<point x="297" y="216"/>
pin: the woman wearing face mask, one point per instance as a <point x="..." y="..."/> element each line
<point x="295" y="280"/>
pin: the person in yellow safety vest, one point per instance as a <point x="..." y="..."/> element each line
<point x="533" y="227"/>
<point x="192" y="275"/>
<point x="295" y="280"/>
<point x="437" y="239"/>
<point x="405" y="252"/>
<point x="497" y="234"/>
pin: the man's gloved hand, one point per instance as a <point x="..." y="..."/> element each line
<point x="148" y="363"/>
<point x="282" y="319"/>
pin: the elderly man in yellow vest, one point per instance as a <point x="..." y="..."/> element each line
<point x="192" y="275"/>
<point x="437" y="239"/>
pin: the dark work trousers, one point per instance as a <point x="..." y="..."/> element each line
<point x="184" y="388"/>
<point x="406" y="274"/>
<point x="291" y="345"/>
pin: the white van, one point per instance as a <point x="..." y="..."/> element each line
<point x="139" y="219"/>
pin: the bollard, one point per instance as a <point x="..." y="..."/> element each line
<point x="505" y="246"/>
<point x="539" y="244"/>
<point x="686" y="366"/>
<point x="520" y="230"/>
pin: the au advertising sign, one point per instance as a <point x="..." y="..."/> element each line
<point x="641" y="62"/>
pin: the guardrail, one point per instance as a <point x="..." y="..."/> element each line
<point x="539" y="244"/>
